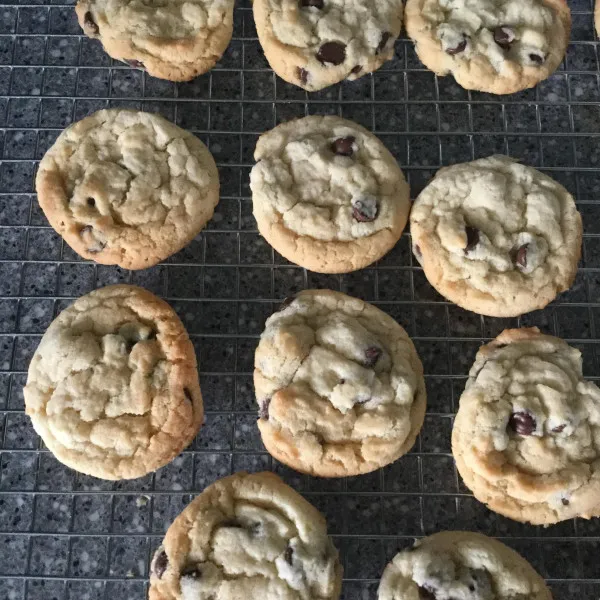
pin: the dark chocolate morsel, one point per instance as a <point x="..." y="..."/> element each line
<point x="356" y="70"/>
<point x="333" y="53"/>
<point x="472" y="238"/>
<point x="88" y="21"/>
<point x="372" y="354"/>
<point x="161" y="562"/>
<point x="426" y="593"/>
<point x="91" y="202"/>
<point x="96" y="245"/>
<point x="565" y="502"/>
<point x="289" y="551"/>
<point x="263" y="411"/>
<point x="504" y="36"/>
<point x="418" y="250"/>
<point x="458" y="48"/>
<point x="188" y="395"/>
<point x="385" y="38"/>
<point x="192" y="571"/>
<point x="343" y="146"/>
<point x="538" y="59"/>
<point x="559" y="428"/>
<point x="522" y="423"/>
<point x="136" y="64"/>
<point x="314" y="3"/>
<point x="521" y="256"/>
<point x="365" y="210"/>
<point x="302" y="75"/>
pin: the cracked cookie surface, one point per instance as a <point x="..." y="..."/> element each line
<point x="496" y="237"/>
<point x="176" y="40"/>
<point x="316" y="43"/>
<point x="127" y="188"/>
<point x="327" y="194"/>
<point x="339" y="385"/>
<point x="526" y="437"/>
<point x="247" y="536"/>
<point x="461" y="565"/>
<point x="113" y="387"/>
<point x="495" y="46"/>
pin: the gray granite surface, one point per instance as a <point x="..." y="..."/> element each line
<point x="64" y="535"/>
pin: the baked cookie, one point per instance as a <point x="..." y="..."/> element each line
<point x="453" y="565"/>
<point x="247" y="536"/>
<point x="526" y="437"/>
<point x="495" y="46"/>
<point x="339" y="385"/>
<point x="127" y="188"/>
<point x="496" y="237"/>
<point x="171" y="40"/>
<point x="327" y="194"/>
<point x="113" y="387"/>
<point x="316" y="43"/>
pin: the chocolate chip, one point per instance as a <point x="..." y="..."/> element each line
<point x="332" y="52"/>
<point x="343" y="146"/>
<point x="94" y="245"/>
<point x="302" y="75"/>
<point x="289" y="551"/>
<point x="287" y="301"/>
<point x="161" y="562"/>
<point x="365" y="210"/>
<point x="426" y="593"/>
<point x="188" y="395"/>
<point x="263" y="411"/>
<point x="91" y="202"/>
<point x="559" y="428"/>
<point x="504" y="36"/>
<point x="372" y="354"/>
<point x="233" y="524"/>
<point x="418" y="250"/>
<point x="356" y="70"/>
<point x="472" y="238"/>
<point x="385" y="38"/>
<point x="538" y="59"/>
<point x="136" y="64"/>
<point x="521" y="256"/>
<point x="458" y="48"/>
<point x="565" y="502"/>
<point x="522" y="423"/>
<point x="88" y="21"/>
<point x="315" y="3"/>
<point x="192" y="571"/>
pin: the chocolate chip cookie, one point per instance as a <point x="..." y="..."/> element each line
<point x="171" y="40"/>
<point x="495" y="46"/>
<point x="496" y="237"/>
<point x="127" y="188"/>
<point x="247" y="536"/>
<point x="327" y="194"/>
<point x="525" y="436"/>
<point x="316" y="43"/>
<point x="113" y="387"/>
<point x="339" y="385"/>
<point x="453" y="565"/>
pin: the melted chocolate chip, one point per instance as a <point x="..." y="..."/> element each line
<point x="538" y="59"/>
<point x="559" y="428"/>
<point x="232" y="524"/>
<point x="287" y="301"/>
<point x="426" y="593"/>
<point x="314" y="3"/>
<point x="458" y="48"/>
<point x="522" y="423"/>
<point x="89" y="23"/>
<point x="418" y="250"/>
<point x="356" y="70"/>
<point x="91" y="202"/>
<point x="332" y="53"/>
<point x="372" y="354"/>
<point x="472" y="238"/>
<point x="365" y="210"/>
<point x="263" y="411"/>
<point x="565" y="502"/>
<point x="343" y="146"/>
<point x="161" y="562"/>
<point x="504" y="36"/>
<point x="302" y="75"/>
<point x="94" y="245"/>
<point x="521" y="256"/>
<point x="289" y="551"/>
<point x="136" y="64"/>
<point x="385" y="38"/>
<point x="192" y="571"/>
<point x="188" y="395"/>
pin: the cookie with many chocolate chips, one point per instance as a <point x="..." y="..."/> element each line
<point x="526" y="437"/>
<point x="113" y="387"/>
<point x="339" y="385"/>
<point x="495" y="46"/>
<point x="247" y="536"/>
<point x="461" y="565"/>
<point x="316" y="43"/>
<point x="176" y="40"/>
<point x="496" y="237"/>
<point x="327" y="194"/>
<point x="127" y="188"/>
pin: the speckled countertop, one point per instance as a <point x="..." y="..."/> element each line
<point x="63" y="535"/>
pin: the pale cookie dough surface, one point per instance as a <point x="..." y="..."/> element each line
<point x="113" y="387"/>
<point x="316" y="43"/>
<point x="175" y="40"/>
<point x="526" y="438"/>
<point x="460" y="565"/>
<point x="327" y="194"/>
<point x="247" y="537"/>
<point x="339" y="385"/>
<point x="495" y="46"/>
<point x="496" y="237"/>
<point x="127" y="188"/>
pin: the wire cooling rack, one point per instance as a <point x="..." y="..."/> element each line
<point x="63" y="535"/>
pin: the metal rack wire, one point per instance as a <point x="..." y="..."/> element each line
<point x="63" y="535"/>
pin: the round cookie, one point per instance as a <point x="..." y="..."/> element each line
<point x="171" y="40"/>
<point x="526" y="437"/>
<point x="127" y="188"/>
<point x="496" y="237"/>
<point x="113" y="387"/>
<point x="316" y="43"/>
<point x="339" y="385"/>
<point x="495" y="46"/>
<point x="327" y="194"/>
<point x="453" y="565"/>
<point x="247" y="536"/>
